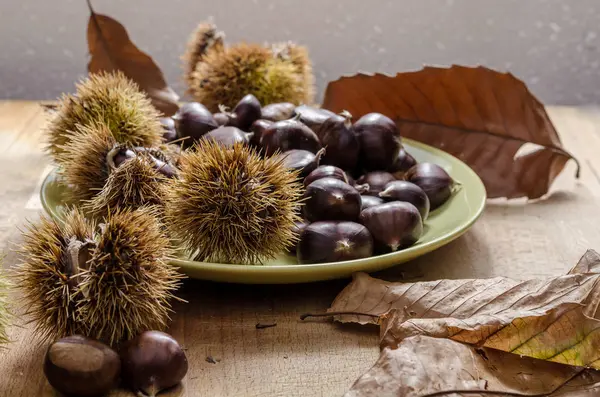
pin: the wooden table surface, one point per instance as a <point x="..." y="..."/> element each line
<point x="306" y="358"/>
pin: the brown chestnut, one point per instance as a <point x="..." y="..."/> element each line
<point x="302" y="161"/>
<point x="298" y="228"/>
<point x="80" y="366"/>
<point x="258" y="128"/>
<point x="409" y="192"/>
<point x="332" y="241"/>
<point x="394" y="225"/>
<point x="169" y="131"/>
<point x="326" y="171"/>
<point x="227" y="136"/>
<point x="370" y="201"/>
<point x="314" y="117"/>
<point x="152" y="362"/>
<point x="193" y="120"/>
<point x="221" y="118"/>
<point x="329" y="199"/>
<point x="289" y="134"/>
<point x="376" y="181"/>
<point x="403" y="163"/>
<point x="246" y="112"/>
<point x="337" y="136"/>
<point x="278" y="111"/>
<point x="434" y="181"/>
<point x="379" y="141"/>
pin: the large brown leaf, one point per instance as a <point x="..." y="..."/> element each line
<point x="111" y="49"/>
<point x="479" y="115"/>
<point x="444" y="325"/>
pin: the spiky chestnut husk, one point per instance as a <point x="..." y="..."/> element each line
<point x="223" y="77"/>
<point x="45" y="274"/>
<point x="204" y="37"/>
<point x="230" y="205"/>
<point x="84" y="168"/>
<point x="132" y="185"/>
<point x="298" y="56"/>
<point x="113" y="99"/>
<point x="128" y="286"/>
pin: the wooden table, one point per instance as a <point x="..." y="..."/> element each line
<point x="306" y="358"/>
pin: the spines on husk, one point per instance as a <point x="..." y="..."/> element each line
<point x="110" y="98"/>
<point x="110" y="282"/>
<point x="222" y="76"/>
<point x="85" y="168"/>
<point x="132" y="185"/>
<point x="297" y="55"/>
<point x="230" y="205"/>
<point x="128" y="286"/>
<point x="46" y="272"/>
<point x="204" y="37"/>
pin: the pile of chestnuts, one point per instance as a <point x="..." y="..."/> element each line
<point x="148" y="364"/>
<point x="364" y="193"/>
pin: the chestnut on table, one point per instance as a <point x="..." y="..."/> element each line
<point x="229" y="356"/>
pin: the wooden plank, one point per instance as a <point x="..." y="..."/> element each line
<point x="313" y="358"/>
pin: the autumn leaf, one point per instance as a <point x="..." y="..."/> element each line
<point x="479" y="115"/>
<point x="423" y="366"/>
<point x="111" y="49"/>
<point x="552" y="321"/>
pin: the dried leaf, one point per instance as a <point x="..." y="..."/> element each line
<point x="479" y="115"/>
<point x="556" y="320"/>
<point x="422" y="365"/>
<point x="111" y="49"/>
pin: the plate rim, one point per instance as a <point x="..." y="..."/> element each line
<point x="341" y="267"/>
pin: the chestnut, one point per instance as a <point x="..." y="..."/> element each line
<point x="289" y="134"/>
<point x="192" y="121"/>
<point x="434" y="181"/>
<point x="278" y="111"/>
<point x="301" y="160"/>
<point x="376" y="181"/>
<point x="325" y="171"/>
<point x="298" y="228"/>
<point x="152" y="362"/>
<point x="169" y="131"/>
<point x="331" y="199"/>
<point x="337" y="136"/>
<point x="258" y="128"/>
<point x="80" y="366"/>
<point x="228" y="136"/>
<point x="246" y="112"/>
<point x="379" y="141"/>
<point x="394" y="225"/>
<point x="314" y="117"/>
<point x="403" y="163"/>
<point x="409" y="192"/>
<point x="221" y="118"/>
<point x="334" y="241"/>
<point x="370" y="201"/>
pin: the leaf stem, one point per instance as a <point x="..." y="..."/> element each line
<point x="331" y="314"/>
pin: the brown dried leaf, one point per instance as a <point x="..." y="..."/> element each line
<point x="423" y="365"/>
<point x="479" y="115"/>
<point x="555" y="320"/>
<point x="111" y="49"/>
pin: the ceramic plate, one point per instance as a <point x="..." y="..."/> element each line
<point x="442" y="226"/>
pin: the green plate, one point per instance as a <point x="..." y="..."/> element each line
<point x="444" y="224"/>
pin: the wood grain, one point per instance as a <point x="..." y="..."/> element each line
<point x="315" y="358"/>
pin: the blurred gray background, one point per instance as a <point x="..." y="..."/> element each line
<point x="551" y="44"/>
